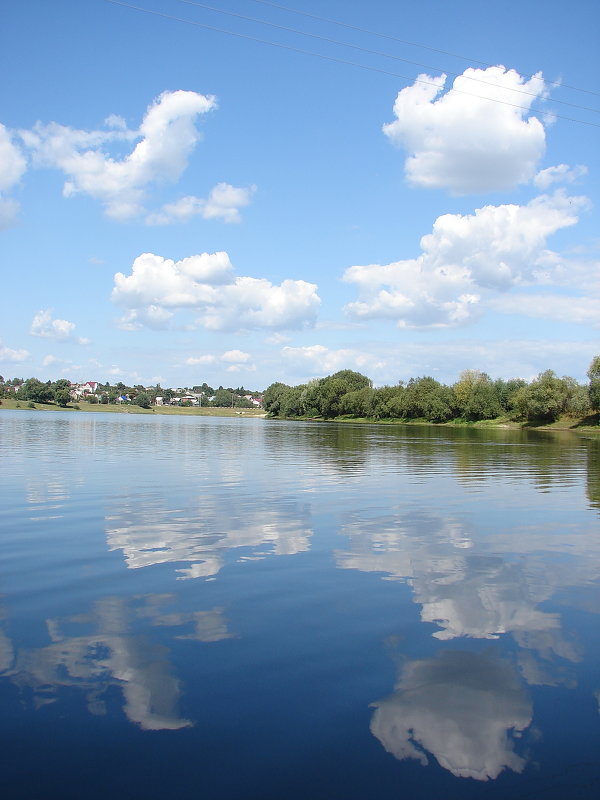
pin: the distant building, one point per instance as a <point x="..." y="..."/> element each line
<point x="78" y="391"/>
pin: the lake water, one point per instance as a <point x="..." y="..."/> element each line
<point x="211" y="608"/>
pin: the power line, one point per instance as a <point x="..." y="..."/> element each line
<point x="366" y="30"/>
<point x="396" y="39"/>
<point x="380" y="53"/>
<point x="332" y="58"/>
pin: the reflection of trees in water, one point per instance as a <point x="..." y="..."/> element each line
<point x="461" y="707"/>
<point x="593" y="472"/>
<point x="471" y="455"/>
<point x="341" y="448"/>
<point x="99" y="650"/>
<point x="544" y="458"/>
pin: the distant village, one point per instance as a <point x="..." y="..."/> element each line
<point x="198" y="396"/>
<point x="64" y="392"/>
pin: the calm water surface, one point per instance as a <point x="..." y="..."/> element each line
<point x="237" y="608"/>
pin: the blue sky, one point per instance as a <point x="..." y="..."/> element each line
<point x="179" y="204"/>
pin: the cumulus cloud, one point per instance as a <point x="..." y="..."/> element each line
<point x="206" y="284"/>
<point x="562" y="173"/>
<point x="464" y="143"/>
<point x="235" y="357"/>
<point x="463" y="261"/>
<point x="61" y="329"/>
<point x="8" y="354"/>
<point x="12" y="168"/>
<point x="164" y="142"/>
<point x="224" y="202"/>
<point x="460" y="707"/>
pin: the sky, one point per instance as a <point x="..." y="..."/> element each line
<point x="242" y="192"/>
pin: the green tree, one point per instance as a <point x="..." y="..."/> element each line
<point x="388" y="401"/>
<point x="331" y="389"/>
<point x="35" y="390"/>
<point x="429" y="399"/>
<point x="475" y="396"/>
<point x="142" y="400"/>
<point x="61" y="390"/>
<point x="273" y="396"/>
<point x="62" y="397"/>
<point x="290" y="402"/>
<point x="505" y="391"/>
<point x="544" y="399"/>
<point x="241" y="402"/>
<point x="593" y="374"/>
<point x="358" y="403"/>
<point x="223" y="398"/>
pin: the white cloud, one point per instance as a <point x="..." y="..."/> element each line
<point x="461" y="142"/>
<point x="165" y="140"/>
<point x="8" y="354"/>
<point x="559" y="308"/>
<point x="151" y="316"/>
<point x="562" y="173"/>
<point x="229" y="361"/>
<point x="464" y="260"/>
<point x="224" y="202"/>
<point x="61" y="329"/>
<point x="443" y="356"/>
<point x="196" y="360"/>
<point x="206" y="284"/>
<point x="12" y="161"/>
<point x="235" y="357"/>
<point x="12" y="168"/>
<point x="318" y="360"/>
<point x="277" y="338"/>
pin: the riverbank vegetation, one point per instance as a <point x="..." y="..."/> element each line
<point x="474" y="398"/>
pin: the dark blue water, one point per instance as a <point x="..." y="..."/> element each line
<point x="238" y="608"/>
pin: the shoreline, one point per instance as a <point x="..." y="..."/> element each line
<point x="83" y="407"/>
<point x="564" y="424"/>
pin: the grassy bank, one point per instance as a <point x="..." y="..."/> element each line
<point x="586" y="425"/>
<point x="194" y="411"/>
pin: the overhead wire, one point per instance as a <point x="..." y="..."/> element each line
<point x="535" y="95"/>
<point x="334" y="59"/>
<point x="395" y="39"/>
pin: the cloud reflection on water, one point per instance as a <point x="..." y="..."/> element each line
<point x="149" y="533"/>
<point x="473" y="584"/>
<point x="460" y="707"/>
<point x="111" y="656"/>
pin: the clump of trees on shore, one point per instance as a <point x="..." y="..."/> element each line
<point x="475" y="396"/>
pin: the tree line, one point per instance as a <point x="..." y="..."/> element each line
<point x="475" y="396"/>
